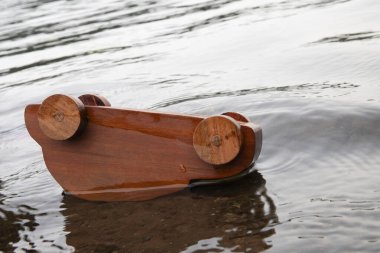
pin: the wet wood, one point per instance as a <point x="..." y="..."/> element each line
<point x="134" y="155"/>
<point x="61" y="117"/>
<point x="217" y="140"/>
<point x="92" y="99"/>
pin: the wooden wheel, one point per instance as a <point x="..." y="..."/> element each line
<point x="236" y="116"/>
<point x="217" y="140"/>
<point x="60" y="117"/>
<point x="95" y="100"/>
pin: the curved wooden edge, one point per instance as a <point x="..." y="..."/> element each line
<point x="94" y="100"/>
<point x="200" y="182"/>
<point x="134" y="155"/>
<point x="236" y="116"/>
<point x="258" y="135"/>
<point x="130" y="194"/>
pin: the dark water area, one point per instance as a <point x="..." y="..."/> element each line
<point x="306" y="71"/>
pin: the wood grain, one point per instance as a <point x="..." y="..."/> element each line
<point x="61" y="117"/>
<point x="217" y="139"/>
<point x="133" y="155"/>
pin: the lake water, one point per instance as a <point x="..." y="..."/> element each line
<point x="307" y="71"/>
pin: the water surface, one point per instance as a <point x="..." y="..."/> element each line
<point x="306" y="71"/>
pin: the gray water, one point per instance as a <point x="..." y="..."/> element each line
<point x="306" y="71"/>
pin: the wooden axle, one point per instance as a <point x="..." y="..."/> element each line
<point x="97" y="152"/>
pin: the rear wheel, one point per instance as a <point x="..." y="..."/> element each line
<point x="94" y="100"/>
<point x="61" y="117"/>
<point x="236" y="116"/>
<point x="217" y="140"/>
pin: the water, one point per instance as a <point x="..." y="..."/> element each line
<point x="306" y="71"/>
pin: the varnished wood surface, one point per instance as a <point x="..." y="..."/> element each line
<point x="61" y="117"/>
<point x="133" y="155"/>
<point x="94" y="100"/>
<point x="217" y="139"/>
<point x="236" y="116"/>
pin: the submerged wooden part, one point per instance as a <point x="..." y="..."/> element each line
<point x="133" y="155"/>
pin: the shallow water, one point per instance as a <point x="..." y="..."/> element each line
<point x="306" y="71"/>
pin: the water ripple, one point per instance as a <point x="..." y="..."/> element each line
<point x="349" y="37"/>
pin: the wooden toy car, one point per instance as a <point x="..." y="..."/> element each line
<point x="97" y="152"/>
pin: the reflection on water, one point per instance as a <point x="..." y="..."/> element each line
<point x="30" y="221"/>
<point x="14" y="224"/>
<point x="305" y="70"/>
<point x="238" y="215"/>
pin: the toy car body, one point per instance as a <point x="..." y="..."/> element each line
<point x="97" y="152"/>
